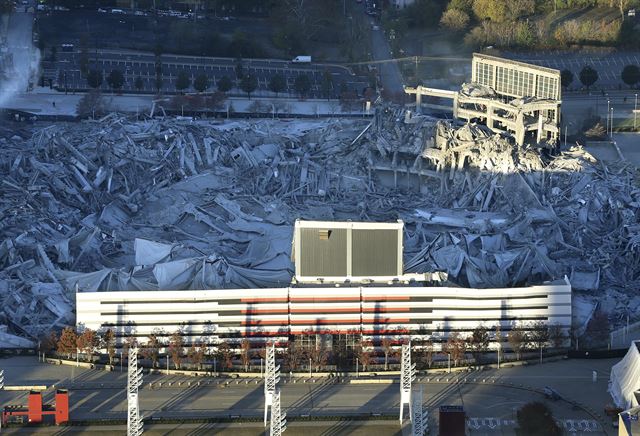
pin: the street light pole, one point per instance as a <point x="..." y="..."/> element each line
<point x="608" y="110"/>
<point x="120" y="361"/>
<point x="611" y="123"/>
<point x="635" y="113"/>
<point x="449" y="362"/>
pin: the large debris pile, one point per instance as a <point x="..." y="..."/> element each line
<point x="118" y="204"/>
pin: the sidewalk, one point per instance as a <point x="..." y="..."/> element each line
<point x="46" y="102"/>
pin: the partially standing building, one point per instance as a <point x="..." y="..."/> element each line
<point x="510" y="97"/>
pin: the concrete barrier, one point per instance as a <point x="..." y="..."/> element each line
<point x="378" y="381"/>
<point x="26" y="388"/>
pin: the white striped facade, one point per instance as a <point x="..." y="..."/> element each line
<point x="276" y="315"/>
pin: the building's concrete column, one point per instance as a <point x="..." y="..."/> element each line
<point x="419" y="99"/>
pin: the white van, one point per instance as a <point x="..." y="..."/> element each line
<point x="301" y="60"/>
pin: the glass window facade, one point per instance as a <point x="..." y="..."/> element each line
<point x="484" y="74"/>
<point x="547" y="87"/>
<point x="515" y="81"/>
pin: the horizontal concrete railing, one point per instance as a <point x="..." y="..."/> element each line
<point x="26" y="388"/>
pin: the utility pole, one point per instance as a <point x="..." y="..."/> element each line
<point x="407" y="376"/>
<point x="1" y="387"/>
<point x="419" y="423"/>
<point x="271" y="379"/>
<point x="608" y="110"/>
<point x="278" y="419"/>
<point x="134" y="381"/>
<point x="611" y="123"/>
<point x="635" y="113"/>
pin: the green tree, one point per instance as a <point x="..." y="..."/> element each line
<point x="239" y="69"/>
<point x="494" y="10"/>
<point x="139" y="83"/>
<point x="201" y="83"/>
<point x="115" y="79"/>
<point x="84" y="54"/>
<point x="566" y="78"/>
<point x="277" y="83"/>
<point x="224" y="84"/>
<point x="249" y="84"/>
<point x="302" y="84"/>
<point x="535" y="419"/>
<point x="455" y="19"/>
<point x="94" y="78"/>
<point x="327" y="84"/>
<point x="588" y="76"/>
<point x="159" y="83"/>
<point x="630" y="75"/>
<point x="182" y="81"/>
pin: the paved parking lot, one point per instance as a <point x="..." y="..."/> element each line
<point x="491" y="397"/>
<point x="608" y="65"/>
<point x="143" y="65"/>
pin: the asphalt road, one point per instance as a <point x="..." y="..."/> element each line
<point x="489" y="401"/>
<point x="389" y="72"/>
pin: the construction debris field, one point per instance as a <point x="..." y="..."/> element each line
<point x="164" y="203"/>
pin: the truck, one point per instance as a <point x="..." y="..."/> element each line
<point x="301" y="60"/>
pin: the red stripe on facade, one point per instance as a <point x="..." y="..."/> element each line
<point x="269" y="322"/>
<point x="385" y="309"/>
<point x="264" y="300"/>
<point x="354" y="310"/>
<point x="325" y="299"/>
<point x="263" y="311"/>
<point x="313" y="322"/>
<point x="386" y="298"/>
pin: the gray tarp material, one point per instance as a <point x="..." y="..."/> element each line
<point x="224" y="196"/>
<point x="151" y="252"/>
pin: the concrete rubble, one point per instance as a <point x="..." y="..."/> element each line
<point x="120" y="204"/>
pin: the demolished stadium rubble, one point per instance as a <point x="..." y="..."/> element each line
<point x="119" y="204"/>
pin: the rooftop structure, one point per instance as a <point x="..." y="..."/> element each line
<point x="510" y="97"/>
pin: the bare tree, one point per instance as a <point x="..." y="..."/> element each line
<point x="556" y="335"/>
<point x="389" y="351"/>
<point x="245" y="353"/>
<point x="319" y="356"/>
<point x="196" y="354"/>
<point x="363" y="353"/>
<point x="499" y="339"/>
<point x="517" y="338"/>
<point x="48" y="343"/>
<point x="428" y="352"/>
<point x="108" y="341"/>
<point x="294" y="355"/>
<point x="539" y="336"/>
<point x="176" y="348"/>
<point x="226" y="355"/>
<point x="456" y="347"/>
<point x="151" y="350"/>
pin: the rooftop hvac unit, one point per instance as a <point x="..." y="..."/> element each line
<point x="326" y="251"/>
